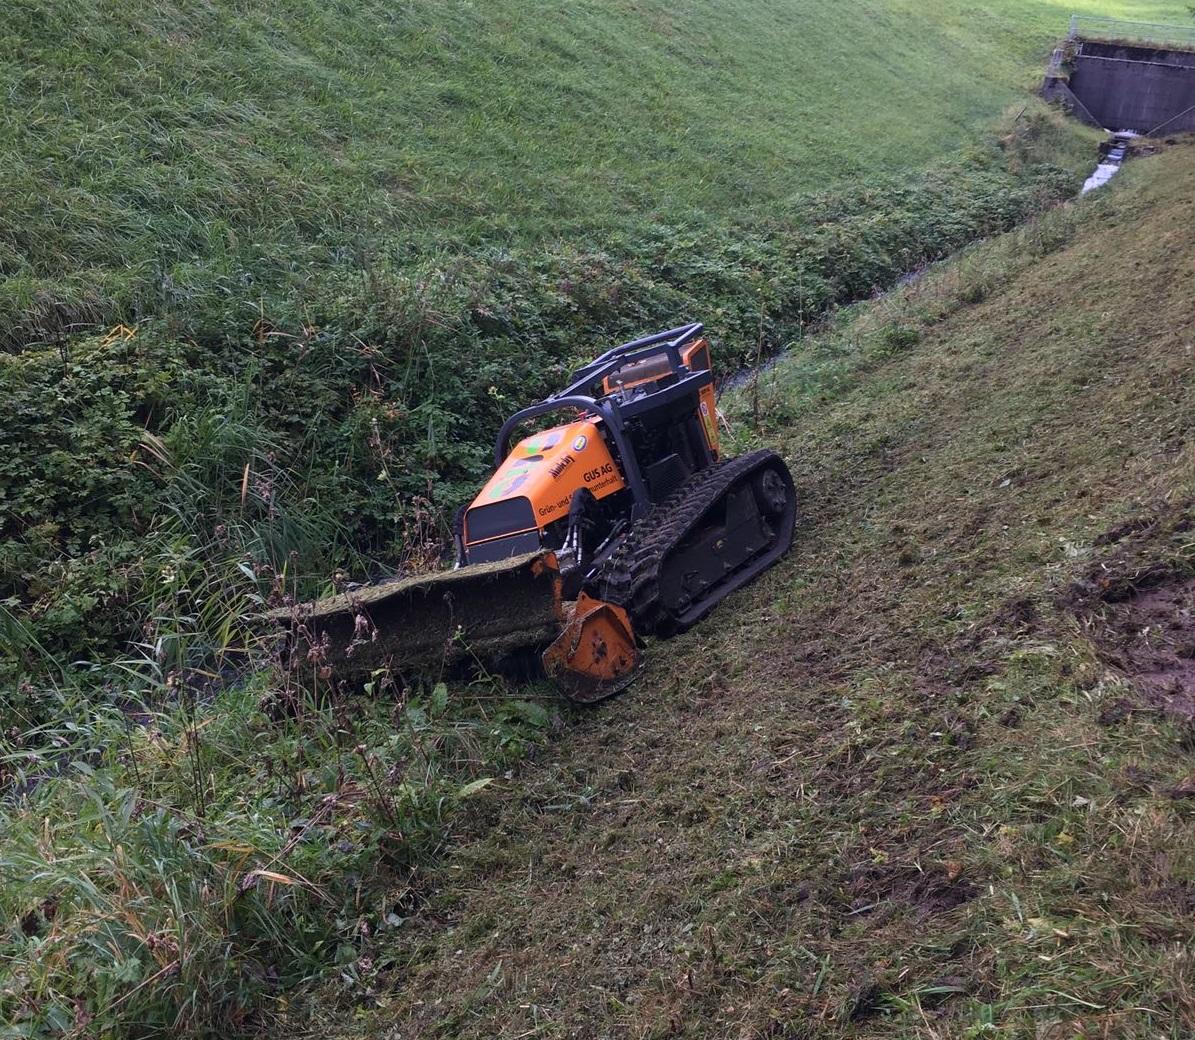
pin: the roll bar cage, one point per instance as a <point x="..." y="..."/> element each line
<point x="578" y="394"/>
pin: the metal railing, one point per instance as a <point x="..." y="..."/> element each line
<point x="1095" y="27"/>
<point x="1056" y="69"/>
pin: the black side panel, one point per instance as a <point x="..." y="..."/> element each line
<point x="503" y="548"/>
<point x="506" y="517"/>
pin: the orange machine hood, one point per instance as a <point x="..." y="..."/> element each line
<point x="548" y="467"/>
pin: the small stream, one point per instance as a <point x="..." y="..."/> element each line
<point x="1110" y="163"/>
<point x="1112" y="156"/>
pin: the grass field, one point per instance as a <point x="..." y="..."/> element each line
<point x="930" y="777"/>
<point x="195" y="158"/>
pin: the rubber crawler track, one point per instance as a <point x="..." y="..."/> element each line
<point x="630" y="576"/>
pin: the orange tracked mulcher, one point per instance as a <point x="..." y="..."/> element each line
<point x="623" y="520"/>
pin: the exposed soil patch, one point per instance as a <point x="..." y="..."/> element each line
<point x="1137" y="604"/>
<point x="927" y="892"/>
<point x="1150" y="637"/>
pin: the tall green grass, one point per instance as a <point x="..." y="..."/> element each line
<point x="193" y="159"/>
<point x="166" y="869"/>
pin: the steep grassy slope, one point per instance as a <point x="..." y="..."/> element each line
<point x="198" y="157"/>
<point x="923" y="779"/>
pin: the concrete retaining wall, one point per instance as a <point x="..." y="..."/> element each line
<point x="1057" y="88"/>
<point x="1133" y="88"/>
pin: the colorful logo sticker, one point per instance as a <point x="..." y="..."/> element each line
<point x="540" y="442"/>
<point x="509" y="486"/>
<point x="580" y="442"/>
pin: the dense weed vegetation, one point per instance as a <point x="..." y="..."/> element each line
<point x="168" y="868"/>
